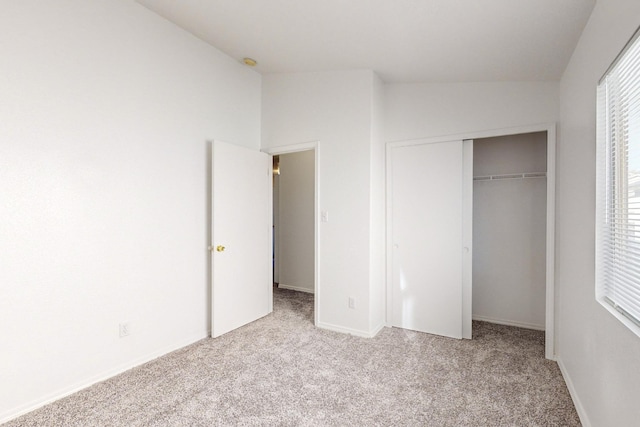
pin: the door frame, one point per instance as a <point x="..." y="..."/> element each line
<point x="315" y="147"/>
<point x="550" y="128"/>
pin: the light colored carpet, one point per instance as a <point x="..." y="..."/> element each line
<point x="281" y="370"/>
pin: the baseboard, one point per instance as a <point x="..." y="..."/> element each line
<point x="584" y="420"/>
<point x="66" y="391"/>
<point x="295" y="288"/>
<point x="343" y="330"/>
<point x="355" y="332"/>
<point x="377" y="329"/>
<point x="509" y="323"/>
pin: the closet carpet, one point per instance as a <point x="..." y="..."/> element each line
<point x="282" y="371"/>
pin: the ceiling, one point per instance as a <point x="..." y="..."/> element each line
<point x="401" y="40"/>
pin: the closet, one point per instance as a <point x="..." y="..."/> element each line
<point x="470" y="232"/>
<point x="509" y="229"/>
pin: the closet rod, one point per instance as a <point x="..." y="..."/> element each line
<point x="524" y="175"/>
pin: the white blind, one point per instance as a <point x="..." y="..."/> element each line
<point x="618" y="185"/>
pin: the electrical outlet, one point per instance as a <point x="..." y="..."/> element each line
<point x="352" y="302"/>
<point x="125" y="329"/>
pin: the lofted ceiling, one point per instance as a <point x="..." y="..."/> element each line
<point x="401" y="40"/>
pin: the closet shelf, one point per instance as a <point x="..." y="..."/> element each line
<point x="524" y="175"/>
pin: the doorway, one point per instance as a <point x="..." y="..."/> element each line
<point x="295" y="219"/>
<point x="509" y="228"/>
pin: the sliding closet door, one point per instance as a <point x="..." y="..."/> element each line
<point x="426" y="208"/>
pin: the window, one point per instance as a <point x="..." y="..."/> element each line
<point x="618" y="187"/>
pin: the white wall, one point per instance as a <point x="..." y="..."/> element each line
<point x="416" y="111"/>
<point x="599" y="355"/>
<point x="509" y="231"/>
<point x="105" y="113"/>
<point x="526" y="152"/>
<point x="377" y="250"/>
<point x="334" y="108"/>
<point x="296" y="221"/>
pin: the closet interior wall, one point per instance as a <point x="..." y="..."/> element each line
<point x="509" y="229"/>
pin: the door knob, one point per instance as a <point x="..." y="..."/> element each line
<point x="220" y="248"/>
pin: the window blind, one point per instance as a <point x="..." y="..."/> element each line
<point x="618" y="186"/>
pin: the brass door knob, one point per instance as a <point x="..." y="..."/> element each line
<point x="220" y="248"/>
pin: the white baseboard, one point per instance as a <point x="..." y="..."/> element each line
<point x="295" y="288"/>
<point x="509" y="323"/>
<point x="66" y="391"/>
<point x="377" y="330"/>
<point x="584" y="420"/>
<point x="343" y="330"/>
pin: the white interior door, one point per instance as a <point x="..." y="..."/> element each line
<point x="240" y="237"/>
<point x="428" y="190"/>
